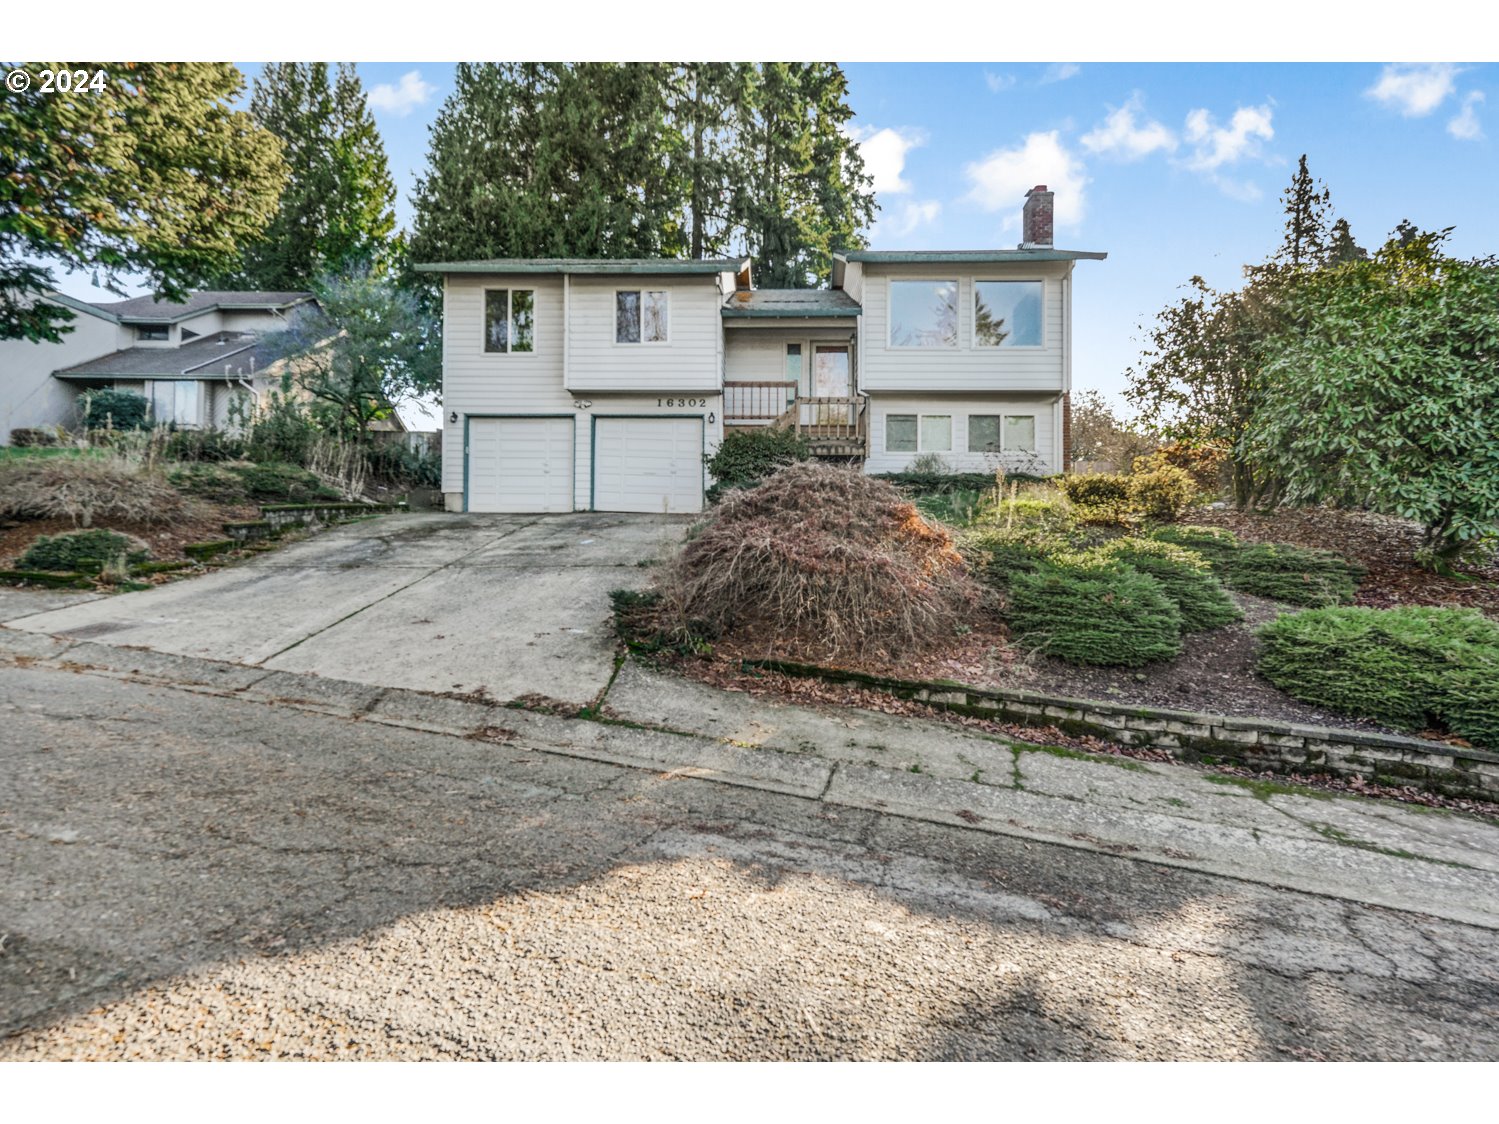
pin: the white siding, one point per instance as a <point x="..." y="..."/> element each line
<point x="759" y="354"/>
<point x="964" y="367"/>
<point x="1045" y="409"/>
<point x="690" y="360"/>
<point x="476" y="383"/>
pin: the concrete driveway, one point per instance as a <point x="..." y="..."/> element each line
<point x="502" y="604"/>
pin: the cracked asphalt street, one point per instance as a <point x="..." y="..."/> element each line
<point x="186" y="874"/>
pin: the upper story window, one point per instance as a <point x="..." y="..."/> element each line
<point x="509" y="320"/>
<point x="153" y="332"/>
<point x="640" y="316"/>
<point x="923" y="314"/>
<point x="1007" y="313"/>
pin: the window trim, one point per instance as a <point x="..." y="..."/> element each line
<point x="973" y="326"/>
<point x="509" y="291"/>
<point x="642" y="342"/>
<point x="891" y="282"/>
<point x="920" y="417"/>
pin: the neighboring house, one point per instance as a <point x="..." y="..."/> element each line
<point x="191" y="359"/>
<point x="594" y="385"/>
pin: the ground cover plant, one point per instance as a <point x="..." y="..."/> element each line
<point x="824" y="562"/>
<point x="747" y="456"/>
<point x="1411" y="667"/>
<point x="1087" y="609"/>
<point x="1283" y="572"/>
<point x="1185" y="577"/>
<point x="82" y="551"/>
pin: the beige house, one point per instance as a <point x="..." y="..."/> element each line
<point x="192" y="359"/>
<point x="592" y="385"/>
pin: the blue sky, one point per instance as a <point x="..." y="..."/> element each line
<point x="1175" y="169"/>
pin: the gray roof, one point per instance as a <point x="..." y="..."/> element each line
<point x="207" y="358"/>
<point x="151" y="310"/>
<point x="588" y="265"/>
<point x="789" y="303"/>
<point x="910" y="257"/>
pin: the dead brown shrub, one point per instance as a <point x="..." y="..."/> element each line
<point x="84" y="489"/>
<point x="821" y="562"/>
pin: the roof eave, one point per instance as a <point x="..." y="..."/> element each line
<point x="706" y="267"/>
<point x="785" y="314"/>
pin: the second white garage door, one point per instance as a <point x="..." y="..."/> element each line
<point x="520" y="464"/>
<point x="648" y="464"/>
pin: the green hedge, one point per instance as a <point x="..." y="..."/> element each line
<point x="1185" y="577"/>
<point x="941" y="483"/>
<point x="747" y="456"/>
<point x="115" y="409"/>
<point x="997" y="556"/>
<point x="1408" y="667"/>
<point x="1092" y="611"/>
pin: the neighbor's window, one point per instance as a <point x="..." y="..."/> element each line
<point x="983" y="433"/>
<point x="175" y="402"/>
<point x="936" y="433"/>
<point x="1007" y="313"/>
<point x="153" y="332"/>
<point x="640" y="316"/>
<point x="509" y="320"/>
<point x="923" y="314"/>
<point x="1020" y="434"/>
<point x="900" y="433"/>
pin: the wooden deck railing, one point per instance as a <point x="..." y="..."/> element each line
<point x="755" y="403"/>
<point x="831" y="419"/>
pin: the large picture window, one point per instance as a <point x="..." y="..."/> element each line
<point x="640" y="316"/>
<point x="175" y="402"/>
<point x="1007" y="313"/>
<point x="509" y="320"/>
<point x="923" y="314"/>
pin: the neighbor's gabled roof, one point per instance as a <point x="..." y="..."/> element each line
<point x="588" y="265"/>
<point x="981" y="257"/>
<point x="789" y="304"/>
<point x="149" y="310"/>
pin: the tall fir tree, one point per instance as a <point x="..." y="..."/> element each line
<point x="1307" y="204"/>
<point x="337" y="209"/>
<point x="650" y="159"/>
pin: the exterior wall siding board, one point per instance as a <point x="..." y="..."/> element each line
<point x="1044" y="408"/>
<point x="965" y="367"/>
<point x="689" y="360"/>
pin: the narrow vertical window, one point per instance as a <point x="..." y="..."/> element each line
<point x="642" y="316"/>
<point x="509" y="320"/>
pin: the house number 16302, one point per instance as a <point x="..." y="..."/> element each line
<point x="681" y="401"/>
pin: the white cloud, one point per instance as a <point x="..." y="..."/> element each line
<point x="912" y="214"/>
<point x="998" y="83"/>
<point x="400" y="99"/>
<point x="884" y="152"/>
<point x="1466" y="126"/>
<point x="1060" y="72"/>
<point x="1415" y="90"/>
<point x="1124" y="137"/>
<point x="1001" y="179"/>
<point x="1214" y="146"/>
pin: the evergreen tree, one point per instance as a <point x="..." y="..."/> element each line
<point x="1341" y="247"/>
<point x="153" y="175"/>
<point x="336" y="210"/>
<point x="1306" y="238"/>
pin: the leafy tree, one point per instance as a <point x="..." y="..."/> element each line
<point x="1098" y="434"/>
<point x="335" y="212"/>
<point x="367" y="347"/>
<point x="1386" y="396"/>
<point x="156" y="175"/>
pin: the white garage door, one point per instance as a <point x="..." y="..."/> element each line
<point x="648" y="464"/>
<point x="520" y="464"/>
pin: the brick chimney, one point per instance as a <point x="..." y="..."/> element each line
<point x="1035" y="219"/>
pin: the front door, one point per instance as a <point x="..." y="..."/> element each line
<point x="831" y="378"/>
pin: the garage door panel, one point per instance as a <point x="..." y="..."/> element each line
<point x="519" y="464"/>
<point x="648" y="464"/>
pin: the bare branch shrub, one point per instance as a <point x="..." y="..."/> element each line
<point x="822" y="562"/>
<point x="83" y="489"/>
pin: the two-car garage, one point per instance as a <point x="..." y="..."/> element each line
<point x="630" y="463"/>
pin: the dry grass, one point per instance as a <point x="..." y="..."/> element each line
<point x="83" y="489"/>
<point x="822" y="562"/>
